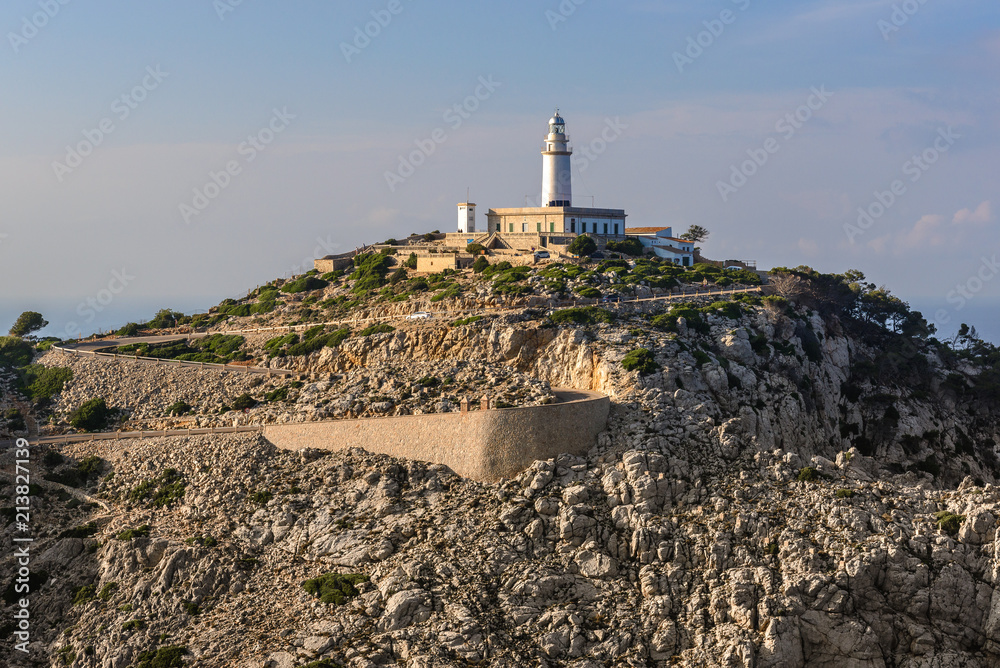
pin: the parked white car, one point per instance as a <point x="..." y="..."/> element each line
<point x="419" y="315"/>
<point x="541" y="255"/>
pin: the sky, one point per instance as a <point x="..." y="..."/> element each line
<point x="173" y="154"/>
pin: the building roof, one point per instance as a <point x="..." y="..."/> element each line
<point x="672" y="249"/>
<point x="683" y="241"/>
<point x="644" y="230"/>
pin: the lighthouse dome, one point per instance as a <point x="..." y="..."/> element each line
<point x="557" y="126"/>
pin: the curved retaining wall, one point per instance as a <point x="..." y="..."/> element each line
<point x="482" y="445"/>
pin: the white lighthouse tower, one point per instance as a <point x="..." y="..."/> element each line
<point x="557" y="189"/>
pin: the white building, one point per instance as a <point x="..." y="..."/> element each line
<point x="466" y="217"/>
<point x="558" y="215"/>
<point x="663" y="242"/>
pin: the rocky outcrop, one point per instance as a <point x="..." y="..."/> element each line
<point x="628" y="562"/>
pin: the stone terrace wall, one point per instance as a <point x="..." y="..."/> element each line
<point x="482" y="445"/>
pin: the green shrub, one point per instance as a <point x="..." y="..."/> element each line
<point x="66" y="655"/>
<point x="130" y="329"/>
<point x="641" y="360"/>
<point x="949" y="522"/>
<point x="450" y="292"/>
<point x="277" y="394"/>
<point x="380" y="328"/>
<point x="15" y="352"/>
<point x="90" y="467"/>
<point x="475" y="248"/>
<point x="163" y="490"/>
<point x="41" y="383"/>
<point x="630" y="246"/>
<point x="178" y="408"/>
<point x="582" y="246"/>
<point x="131" y="534"/>
<point x="398" y="276"/>
<point x="304" y="284"/>
<point x="261" y="497"/>
<point x="322" y="663"/>
<point x="276" y="346"/>
<point x="730" y="309"/>
<point x="338" y="337"/>
<point x="466" y="321"/>
<point x="52" y="459"/>
<point x="808" y="474"/>
<point x="369" y="273"/>
<point x="480" y="264"/>
<point x="108" y="591"/>
<point x="84" y="594"/>
<point x="844" y="494"/>
<point x="582" y="315"/>
<point x="93" y="415"/>
<point x="334" y="588"/>
<point x="243" y="402"/>
<point x="84" y="531"/>
<point x="411" y="262"/>
<point x="192" y="609"/>
<point x="588" y="292"/>
<point x="164" y="657"/>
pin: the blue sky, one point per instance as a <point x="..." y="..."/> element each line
<point x="320" y="185"/>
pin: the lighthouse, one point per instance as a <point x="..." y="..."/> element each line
<point x="557" y="189"/>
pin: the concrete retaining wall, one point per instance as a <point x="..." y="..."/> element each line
<point x="482" y="445"/>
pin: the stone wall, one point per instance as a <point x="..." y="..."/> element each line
<point x="436" y="262"/>
<point x="482" y="445"/>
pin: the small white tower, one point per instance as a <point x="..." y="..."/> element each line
<point x="466" y="217"/>
<point x="557" y="189"/>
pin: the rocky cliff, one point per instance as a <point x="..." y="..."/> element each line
<point x="760" y="498"/>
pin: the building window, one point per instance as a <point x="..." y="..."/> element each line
<point x="512" y="227"/>
<point x="616" y="229"/>
<point x="605" y="228"/>
<point x="572" y="225"/>
<point x="552" y="227"/>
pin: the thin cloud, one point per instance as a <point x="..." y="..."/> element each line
<point x="982" y="214"/>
